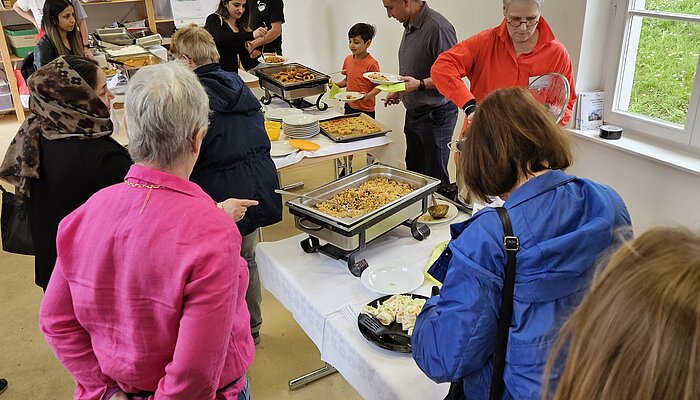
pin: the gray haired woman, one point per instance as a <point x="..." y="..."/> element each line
<point x="148" y="294"/>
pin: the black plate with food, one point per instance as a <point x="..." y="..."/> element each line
<point x="399" y="344"/>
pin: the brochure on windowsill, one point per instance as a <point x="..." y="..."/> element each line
<point x="589" y="110"/>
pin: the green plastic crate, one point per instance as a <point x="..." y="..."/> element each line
<point x="22" y="51"/>
<point x="21" y="30"/>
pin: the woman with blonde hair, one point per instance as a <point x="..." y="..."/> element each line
<point x="235" y="157"/>
<point x="514" y="150"/>
<point x="636" y="335"/>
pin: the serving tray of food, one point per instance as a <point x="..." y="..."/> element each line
<point x="352" y="211"/>
<point x="293" y="81"/>
<point x="352" y="127"/>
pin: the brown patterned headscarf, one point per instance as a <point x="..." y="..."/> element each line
<point x="63" y="106"/>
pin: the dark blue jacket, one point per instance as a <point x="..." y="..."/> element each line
<point x="564" y="224"/>
<point x="235" y="157"/>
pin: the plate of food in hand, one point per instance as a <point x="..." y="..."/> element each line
<point x="349" y="97"/>
<point x="398" y="314"/>
<point x="272" y="59"/>
<point x="381" y="78"/>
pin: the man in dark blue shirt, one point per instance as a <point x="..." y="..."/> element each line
<point x="430" y="117"/>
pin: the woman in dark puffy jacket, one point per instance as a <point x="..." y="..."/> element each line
<point x="235" y="157"/>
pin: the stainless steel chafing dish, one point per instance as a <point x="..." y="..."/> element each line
<point x="345" y="237"/>
<point x="293" y="93"/>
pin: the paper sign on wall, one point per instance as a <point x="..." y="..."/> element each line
<point x="187" y="12"/>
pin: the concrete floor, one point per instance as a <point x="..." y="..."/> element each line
<point x="285" y="352"/>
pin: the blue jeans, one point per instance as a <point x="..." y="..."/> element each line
<point x="245" y="392"/>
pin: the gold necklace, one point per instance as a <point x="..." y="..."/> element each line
<point x="142" y="186"/>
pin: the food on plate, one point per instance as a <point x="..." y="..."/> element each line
<point x="274" y="59"/>
<point x="349" y="126"/>
<point x="358" y="201"/>
<point x="109" y="71"/>
<point x="400" y="308"/>
<point x="377" y="76"/>
<point x="294" y="75"/>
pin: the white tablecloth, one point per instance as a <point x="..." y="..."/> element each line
<point x="323" y="298"/>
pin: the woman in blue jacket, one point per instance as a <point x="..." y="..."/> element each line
<point x="514" y="150"/>
<point x="235" y="157"/>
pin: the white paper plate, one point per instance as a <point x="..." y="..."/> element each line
<point x="451" y="214"/>
<point x="277" y="114"/>
<point x="300" y="120"/>
<point x="281" y="148"/>
<point x="392" y="280"/>
<point x="261" y="60"/>
<point x="391" y="78"/>
<point x="349" y="97"/>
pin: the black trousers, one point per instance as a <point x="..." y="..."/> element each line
<point x="428" y="131"/>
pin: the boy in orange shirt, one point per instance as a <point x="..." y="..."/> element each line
<point x="360" y="61"/>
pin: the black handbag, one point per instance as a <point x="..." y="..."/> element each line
<point x="16" y="235"/>
<point x="512" y="245"/>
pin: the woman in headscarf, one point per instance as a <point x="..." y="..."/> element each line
<point x="63" y="153"/>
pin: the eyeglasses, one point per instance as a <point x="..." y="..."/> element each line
<point x="456" y="146"/>
<point x="529" y="22"/>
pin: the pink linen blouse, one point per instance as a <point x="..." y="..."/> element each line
<point x="148" y="293"/>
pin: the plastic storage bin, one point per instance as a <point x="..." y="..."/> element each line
<point x="5" y="102"/>
<point x="21" y="38"/>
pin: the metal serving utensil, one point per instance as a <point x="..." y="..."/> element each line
<point x="377" y="329"/>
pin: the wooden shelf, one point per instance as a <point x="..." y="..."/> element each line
<point x="8" y="58"/>
<point x="162" y="21"/>
<point x="90" y="3"/>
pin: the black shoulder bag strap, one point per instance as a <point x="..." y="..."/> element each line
<point x="499" y="357"/>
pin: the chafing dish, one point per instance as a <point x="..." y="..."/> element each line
<point x="293" y="93"/>
<point x="345" y="237"/>
<point x="119" y="36"/>
<point x="383" y="129"/>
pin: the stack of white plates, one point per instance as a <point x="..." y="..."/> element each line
<point x="300" y="126"/>
<point x="277" y="114"/>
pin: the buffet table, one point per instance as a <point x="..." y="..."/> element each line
<point x="324" y="299"/>
<point x="329" y="149"/>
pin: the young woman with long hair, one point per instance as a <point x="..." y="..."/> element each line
<point x="636" y="335"/>
<point x="61" y="38"/>
<point x="231" y="30"/>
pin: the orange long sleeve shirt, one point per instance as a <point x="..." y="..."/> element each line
<point x="488" y="60"/>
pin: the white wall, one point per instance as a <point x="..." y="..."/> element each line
<point x="316" y="34"/>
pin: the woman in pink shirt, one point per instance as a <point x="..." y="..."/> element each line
<point x="147" y="299"/>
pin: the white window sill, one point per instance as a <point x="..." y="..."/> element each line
<point x="647" y="148"/>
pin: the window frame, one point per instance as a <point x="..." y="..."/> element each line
<point x="622" y="62"/>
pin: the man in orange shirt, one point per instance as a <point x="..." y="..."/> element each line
<point x="514" y="53"/>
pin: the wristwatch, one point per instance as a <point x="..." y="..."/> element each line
<point x="470" y="107"/>
<point x="421" y="85"/>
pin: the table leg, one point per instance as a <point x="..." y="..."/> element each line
<point x="312" y="376"/>
<point x="343" y="166"/>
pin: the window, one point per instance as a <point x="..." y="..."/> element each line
<point x="654" y="90"/>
